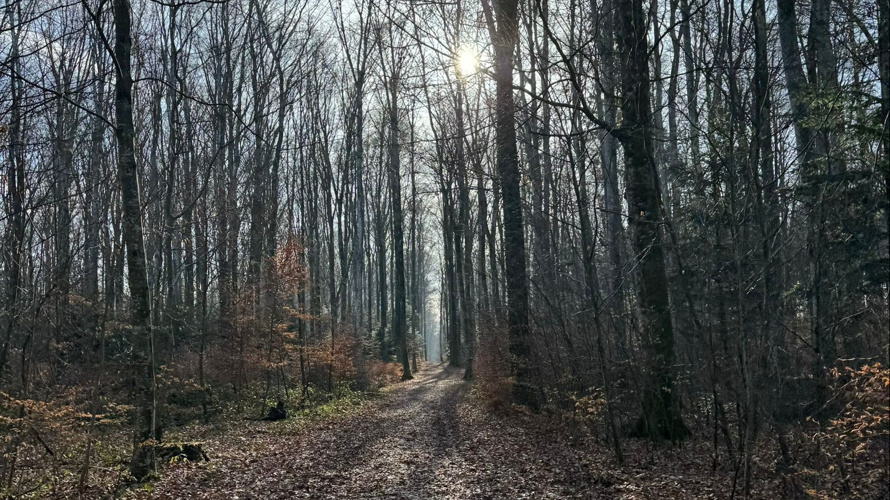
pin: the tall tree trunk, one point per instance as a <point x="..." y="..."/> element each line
<point x="93" y="214"/>
<point x="171" y="291"/>
<point x="358" y="242"/>
<point x="451" y="297"/>
<point x="795" y="80"/>
<point x="63" y="156"/>
<point x="762" y="152"/>
<point x="660" y="414"/>
<point x="188" y="224"/>
<point x="814" y="145"/>
<point x="399" y="319"/>
<point x="202" y="281"/>
<point x="884" y="70"/>
<point x="259" y="179"/>
<point x="380" y="239"/>
<point x="224" y="159"/>
<point x="463" y="239"/>
<point x="142" y="336"/>
<point x="609" y="161"/>
<point x="16" y="188"/>
<point x="414" y="284"/>
<point x="691" y="80"/>
<point x="505" y="38"/>
<point x="482" y="228"/>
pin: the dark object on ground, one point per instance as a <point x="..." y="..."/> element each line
<point x="165" y="453"/>
<point x="192" y="452"/>
<point x="276" y="412"/>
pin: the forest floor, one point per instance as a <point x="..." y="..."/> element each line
<point x="432" y="438"/>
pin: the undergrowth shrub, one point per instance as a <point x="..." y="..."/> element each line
<point x="492" y="369"/>
<point x="590" y="409"/>
<point x="48" y="447"/>
<point x="848" y="456"/>
<point x="381" y="374"/>
<point x="65" y="432"/>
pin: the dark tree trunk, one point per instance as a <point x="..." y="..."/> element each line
<point x="482" y="226"/>
<point x="399" y="318"/>
<point x="63" y="155"/>
<point x="493" y="255"/>
<point x="91" y="234"/>
<point x="463" y="239"/>
<point x="143" y="355"/>
<point x="884" y="69"/>
<point x="356" y="163"/>
<point x="795" y="79"/>
<point x="16" y="191"/>
<point x="171" y="291"/>
<point x="814" y="145"/>
<point x="505" y="39"/>
<point x="691" y="79"/>
<point x="224" y="138"/>
<point x="93" y="213"/>
<point x="762" y="153"/>
<point x="660" y="414"/>
<point x="451" y="298"/>
<point x="609" y="160"/>
<point x="383" y="301"/>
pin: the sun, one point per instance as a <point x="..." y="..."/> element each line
<point x="467" y="62"/>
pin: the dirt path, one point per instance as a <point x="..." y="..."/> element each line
<point x="425" y="439"/>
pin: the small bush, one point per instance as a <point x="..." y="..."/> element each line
<point x="381" y="374"/>
<point x="590" y="408"/>
<point x="850" y="451"/>
<point x="492" y="371"/>
<point x="45" y="444"/>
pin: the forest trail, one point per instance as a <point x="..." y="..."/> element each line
<point x="427" y="438"/>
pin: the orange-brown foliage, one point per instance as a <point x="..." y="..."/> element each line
<point x="340" y="356"/>
<point x="288" y="269"/>
<point x="851" y="449"/>
<point x="382" y="374"/>
<point x="492" y="369"/>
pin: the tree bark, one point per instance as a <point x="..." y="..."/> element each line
<point x="93" y="213"/>
<point x="505" y="38"/>
<point x="762" y="153"/>
<point x="463" y="239"/>
<point x="451" y="297"/>
<point x="884" y="71"/>
<point x="399" y="319"/>
<point x="143" y="353"/>
<point x="16" y="186"/>
<point x="383" y="301"/>
<point x="660" y="417"/>
<point x="609" y="161"/>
